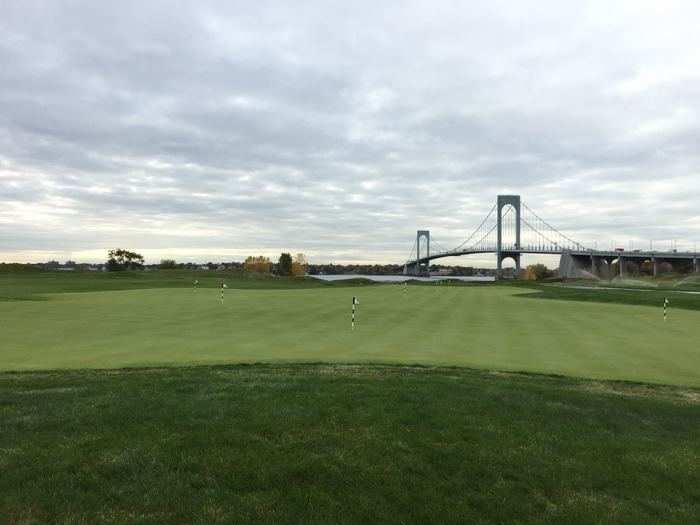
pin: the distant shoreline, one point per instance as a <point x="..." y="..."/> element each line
<point x="402" y="278"/>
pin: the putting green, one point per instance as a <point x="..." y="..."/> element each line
<point x="493" y="327"/>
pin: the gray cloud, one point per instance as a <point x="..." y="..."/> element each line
<point x="214" y="130"/>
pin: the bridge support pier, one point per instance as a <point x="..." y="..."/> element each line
<point x="621" y="264"/>
<point x="501" y="202"/>
<point x="655" y="265"/>
<point x="696" y="265"/>
<point x="595" y="266"/>
<point x="500" y="257"/>
<point x="603" y="268"/>
<point x="606" y="268"/>
<point x="411" y="269"/>
<point x="422" y="267"/>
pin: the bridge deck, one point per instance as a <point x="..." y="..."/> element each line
<point x="576" y="253"/>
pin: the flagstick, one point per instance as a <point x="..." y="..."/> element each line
<point x="354" y="302"/>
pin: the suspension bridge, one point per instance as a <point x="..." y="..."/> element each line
<point x="512" y="229"/>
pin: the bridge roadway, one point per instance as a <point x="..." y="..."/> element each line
<point x="577" y="262"/>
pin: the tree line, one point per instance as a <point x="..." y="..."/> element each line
<point x="287" y="265"/>
<point x="297" y="266"/>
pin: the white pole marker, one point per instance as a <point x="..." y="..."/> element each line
<point x="666" y="303"/>
<point x="355" y="301"/>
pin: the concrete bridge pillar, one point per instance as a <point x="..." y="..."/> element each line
<point x="595" y="266"/>
<point x="655" y="264"/>
<point x="621" y="264"/>
<point x="604" y="268"/>
<point x="501" y="202"/>
<point x="696" y="265"/>
<point x="500" y="257"/>
<point x="422" y="267"/>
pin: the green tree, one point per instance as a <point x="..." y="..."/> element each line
<point x="257" y="264"/>
<point x="284" y="265"/>
<point x="300" y="265"/>
<point x="168" y="264"/>
<point x="121" y="259"/>
<point x="537" y="272"/>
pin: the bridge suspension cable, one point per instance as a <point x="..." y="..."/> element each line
<point x="412" y="255"/>
<point x="475" y="232"/>
<point x="547" y="232"/>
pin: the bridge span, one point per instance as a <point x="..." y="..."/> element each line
<point x="511" y="229"/>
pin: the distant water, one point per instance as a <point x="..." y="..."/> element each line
<point x="400" y="278"/>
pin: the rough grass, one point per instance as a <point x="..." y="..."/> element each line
<point x="667" y="281"/>
<point x="339" y="444"/>
<point x="653" y="297"/>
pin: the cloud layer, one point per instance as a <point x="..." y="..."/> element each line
<point x="218" y="130"/>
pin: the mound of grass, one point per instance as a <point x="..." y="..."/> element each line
<point x="35" y="284"/>
<point x="691" y="282"/>
<point x="334" y="444"/>
<point x="19" y="268"/>
<point x="642" y="297"/>
<point x="633" y="283"/>
<point x="664" y="281"/>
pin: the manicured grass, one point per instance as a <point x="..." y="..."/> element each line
<point x="494" y="327"/>
<point x="326" y="444"/>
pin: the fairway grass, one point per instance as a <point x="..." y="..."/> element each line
<point x="443" y="417"/>
<point x="488" y="326"/>
<point x="343" y="444"/>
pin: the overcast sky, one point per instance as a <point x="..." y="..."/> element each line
<point x="210" y="131"/>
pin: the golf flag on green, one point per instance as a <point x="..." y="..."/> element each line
<point x="355" y="301"/>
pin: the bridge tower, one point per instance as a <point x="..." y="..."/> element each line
<point x="512" y="252"/>
<point x="422" y="268"/>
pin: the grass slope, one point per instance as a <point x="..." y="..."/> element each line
<point x="34" y="284"/>
<point x="324" y="444"/>
<point x="495" y="327"/>
<point x="642" y="297"/>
